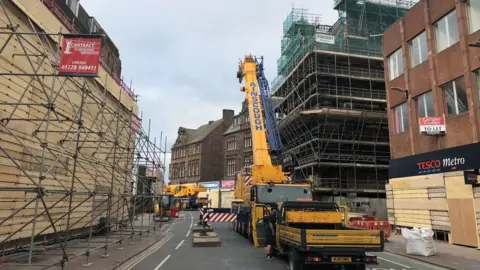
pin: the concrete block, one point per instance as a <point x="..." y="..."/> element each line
<point x="209" y="235"/>
<point x="200" y="228"/>
<point x="206" y="242"/>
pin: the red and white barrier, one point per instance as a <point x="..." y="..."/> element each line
<point x="220" y="217"/>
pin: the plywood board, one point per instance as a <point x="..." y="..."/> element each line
<point x="424" y="181"/>
<point x="456" y="188"/>
<point x="463" y="223"/>
<point x="421" y="204"/>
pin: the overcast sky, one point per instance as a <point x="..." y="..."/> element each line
<point x="182" y="55"/>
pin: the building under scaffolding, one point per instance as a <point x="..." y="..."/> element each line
<point x="330" y="81"/>
<point x="69" y="147"/>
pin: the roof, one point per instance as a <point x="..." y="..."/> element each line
<point x="188" y="136"/>
<point x="232" y="129"/>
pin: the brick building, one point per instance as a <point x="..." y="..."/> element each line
<point x="238" y="144"/>
<point x="433" y="81"/>
<point x="427" y="54"/>
<point x="197" y="155"/>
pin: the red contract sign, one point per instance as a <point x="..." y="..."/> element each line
<point x="80" y="55"/>
<point x="427" y="121"/>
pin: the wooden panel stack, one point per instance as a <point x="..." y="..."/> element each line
<point x="66" y="136"/>
<point x="476" y="195"/>
<point x="417" y="202"/>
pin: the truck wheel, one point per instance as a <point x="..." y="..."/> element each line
<point x="294" y="264"/>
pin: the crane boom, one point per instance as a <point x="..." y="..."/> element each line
<point x="266" y="184"/>
<point x="270" y="120"/>
<point x="248" y="71"/>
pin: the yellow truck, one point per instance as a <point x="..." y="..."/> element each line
<point x="313" y="233"/>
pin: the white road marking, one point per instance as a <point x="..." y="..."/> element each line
<point x="188" y="233"/>
<point x="153" y="249"/>
<point x="390" y="261"/>
<point x="179" y="245"/>
<point x="164" y="260"/>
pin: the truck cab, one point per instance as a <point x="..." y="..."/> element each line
<point x="258" y="201"/>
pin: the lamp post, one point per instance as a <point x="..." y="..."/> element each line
<point x="404" y="91"/>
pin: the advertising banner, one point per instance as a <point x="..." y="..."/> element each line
<point x="80" y="55"/>
<point x="211" y="185"/>
<point x="228" y="184"/>
<point x="324" y="38"/>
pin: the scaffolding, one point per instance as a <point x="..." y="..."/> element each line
<point x="75" y="162"/>
<point x="330" y="81"/>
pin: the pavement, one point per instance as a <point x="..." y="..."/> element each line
<point x="175" y="252"/>
<point x="117" y="251"/>
<point x="448" y="256"/>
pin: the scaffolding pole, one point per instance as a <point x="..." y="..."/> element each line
<point x="70" y="153"/>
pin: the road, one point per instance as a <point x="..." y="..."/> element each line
<point x="175" y="252"/>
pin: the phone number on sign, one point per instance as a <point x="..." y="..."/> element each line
<point x="78" y="67"/>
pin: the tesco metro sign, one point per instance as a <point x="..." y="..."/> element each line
<point x="460" y="158"/>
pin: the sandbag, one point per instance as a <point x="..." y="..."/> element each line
<point x="419" y="242"/>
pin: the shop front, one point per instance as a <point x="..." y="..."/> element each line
<point x="437" y="190"/>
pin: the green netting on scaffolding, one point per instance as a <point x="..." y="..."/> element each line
<point x="358" y="30"/>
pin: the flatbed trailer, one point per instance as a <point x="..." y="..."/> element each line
<point x="314" y="234"/>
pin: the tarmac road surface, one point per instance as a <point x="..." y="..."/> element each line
<point x="175" y="252"/>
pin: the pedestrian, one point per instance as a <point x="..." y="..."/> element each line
<point x="270" y="223"/>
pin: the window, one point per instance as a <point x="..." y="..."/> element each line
<point x="235" y="121"/>
<point x="248" y="161"/>
<point x="73" y="5"/>
<point x="455" y="97"/>
<point x="401" y="118"/>
<point x="473" y="10"/>
<point x="182" y="170"/>
<point x="425" y="105"/>
<point x="198" y="148"/>
<point x="231" y="143"/>
<point x="477" y="82"/>
<point x="396" y="64"/>
<point x="247" y="119"/>
<point x="446" y="31"/>
<point x="190" y="166"/>
<point x="248" y="139"/>
<point x="231" y="167"/>
<point x="418" y="49"/>
<point x="197" y="165"/>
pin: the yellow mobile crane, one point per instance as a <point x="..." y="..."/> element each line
<point x="311" y="233"/>
<point x="266" y="184"/>
<point x="181" y="197"/>
<point x="186" y="196"/>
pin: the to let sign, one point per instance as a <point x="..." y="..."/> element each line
<point x="432" y="125"/>
<point x="80" y="55"/>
